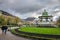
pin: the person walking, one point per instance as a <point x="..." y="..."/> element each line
<point x="4" y="29"/>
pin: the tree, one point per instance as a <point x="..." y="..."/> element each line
<point x="58" y="22"/>
<point x="9" y="20"/>
<point x="17" y="20"/>
<point x="5" y="22"/>
<point x="1" y="19"/>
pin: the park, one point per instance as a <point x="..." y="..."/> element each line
<point x="40" y="31"/>
<point x="29" y="19"/>
<point x="44" y="29"/>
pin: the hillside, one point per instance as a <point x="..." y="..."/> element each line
<point x="5" y="13"/>
<point x="7" y="18"/>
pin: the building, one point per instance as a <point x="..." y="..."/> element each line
<point x="45" y="19"/>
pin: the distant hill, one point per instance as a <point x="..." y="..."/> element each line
<point x="29" y="19"/>
<point x="6" y="13"/>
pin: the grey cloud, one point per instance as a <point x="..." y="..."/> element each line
<point x="27" y="6"/>
<point x="28" y="9"/>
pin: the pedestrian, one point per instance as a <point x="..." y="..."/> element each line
<point x="4" y="29"/>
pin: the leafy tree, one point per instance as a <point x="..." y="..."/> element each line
<point x="17" y="20"/>
<point x="58" y="22"/>
<point x="8" y="20"/>
<point x="1" y="19"/>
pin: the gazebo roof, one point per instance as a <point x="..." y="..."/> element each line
<point x="45" y="15"/>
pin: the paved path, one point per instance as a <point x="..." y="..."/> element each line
<point x="10" y="36"/>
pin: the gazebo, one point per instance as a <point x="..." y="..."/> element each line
<point x="45" y="19"/>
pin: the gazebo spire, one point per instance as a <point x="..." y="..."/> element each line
<point x="45" y="13"/>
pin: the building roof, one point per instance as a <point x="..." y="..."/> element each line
<point x="45" y="15"/>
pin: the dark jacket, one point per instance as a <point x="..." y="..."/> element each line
<point x="4" y="28"/>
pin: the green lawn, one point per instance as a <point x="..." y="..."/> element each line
<point x="53" y="31"/>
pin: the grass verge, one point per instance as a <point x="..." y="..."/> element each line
<point x="28" y="36"/>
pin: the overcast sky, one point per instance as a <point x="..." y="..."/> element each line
<point x="30" y="8"/>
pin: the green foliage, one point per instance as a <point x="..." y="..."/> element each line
<point x="8" y="20"/>
<point x="1" y="19"/>
<point x="58" y="22"/>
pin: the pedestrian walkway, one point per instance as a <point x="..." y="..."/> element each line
<point x="10" y="36"/>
